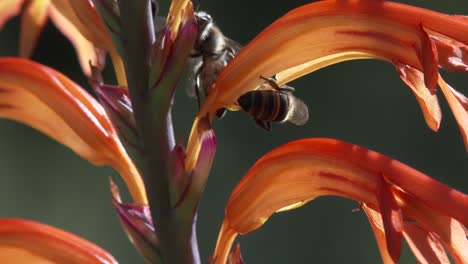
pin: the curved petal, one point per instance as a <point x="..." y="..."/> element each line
<point x="449" y="229"/>
<point x="302" y="170"/>
<point x="48" y="101"/>
<point x="326" y="32"/>
<point x="427" y="101"/>
<point x="347" y="30"/>
<point x="85" y="18"/>
<point x="85" y="49"/>
<point x="24" y="241"/>
<point x="9" y="9"/>
<point x="376" y="222"/>
<point x="425" y="245"/>
<point x="459" y="105"/>
<point x="32" y="22"/>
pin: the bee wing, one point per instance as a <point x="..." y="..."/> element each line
<point x="299" y="112"/>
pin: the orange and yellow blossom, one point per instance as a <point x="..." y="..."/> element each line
<point x="77" y="20"/>
<point x="47" y="100"/>
<point x="24" y="241"/>
<point x="398" y="200"/>
<point x="416" y="40"/>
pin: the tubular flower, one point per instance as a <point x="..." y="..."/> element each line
<point x="77" y="20"/>
<point x="417" y="41"/>
<point x="399" y="201"/>
<point x="24" y="241"/>
<point x="48" y="101"/>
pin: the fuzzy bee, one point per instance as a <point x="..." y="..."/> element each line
<point x="276" y="105"/>
<point x="210" y="54"/>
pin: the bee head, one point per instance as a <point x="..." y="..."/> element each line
<point x="205" y="21"/>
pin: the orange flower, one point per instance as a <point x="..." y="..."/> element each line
<point x="23" y="241"/>
<point x="398" y="200"/>
<point x="417" y="41"/>
<point x="77" y="20"/>
<point x="48" y="101"/>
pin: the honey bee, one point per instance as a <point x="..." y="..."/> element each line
<point x="210" y="54"/>
<point x="277" y="105"/>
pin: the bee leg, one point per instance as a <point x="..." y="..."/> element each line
<point x="272" y="82"/>
<point x="197" y="90"/>
<point x="264" y="124"/>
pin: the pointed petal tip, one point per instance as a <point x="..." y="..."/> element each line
<point x="392" y="218"/>
<point x="236" y="257"/>
<point x="429" y="61"/>
<point x="9" y="9"/>
<point x="459" y="105"/>
<point x="428" y="102"/>
<point x="138" y="225"/>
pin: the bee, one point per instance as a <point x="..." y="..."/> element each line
<point x="277" y="105"/>
<point x="210" y="54"/>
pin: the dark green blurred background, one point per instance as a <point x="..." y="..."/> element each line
<point x="362" y="102"/>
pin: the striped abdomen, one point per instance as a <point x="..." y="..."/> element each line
<point x="266" y="105"/>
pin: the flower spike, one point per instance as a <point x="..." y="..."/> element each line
<point x="300" y="171"/>
<point x="24" y="241"/>
<point x="48" y="101"/>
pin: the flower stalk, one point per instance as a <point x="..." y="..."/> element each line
<point x="152" y="110"/>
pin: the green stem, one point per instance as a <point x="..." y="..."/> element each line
<point x="156" y="134"/>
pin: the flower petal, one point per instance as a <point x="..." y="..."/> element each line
<point x="176" y="13"/>
<point x="425" y="245"/>
<point x="9" y="9"/>
<point x="376" y="222"/>
<point x="459" y="105"/>
<point x="84" y="16"/>
<point x="392" y="219"/>
<point x="304" y="169"/>
<point x="427" y="101"/>
<point x="48" y="101"/>
<point x="429" y="61"/>
<point x="87" y="53"/>
<point x="32" y="22"/>
<point x="346" y="30"/>
<point x="351" y="30"/>
<point x="82" y="25"/>
<point x="448" y="227"/>
<point x="24" y="241"/>
<point x="236" y="257"/>
<point x="452" y="54"/>
<point x="197" y="173"/>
